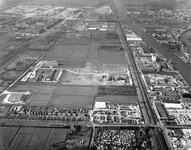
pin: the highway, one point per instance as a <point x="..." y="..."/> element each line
<point x="159" y="138"/>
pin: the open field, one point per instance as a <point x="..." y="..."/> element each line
<point x="104" y="35"/>
<point x="82" y="133"/>
<point x="112" y="57"/>
<point x="80" y="34"/>
<point x="111" y="54"/>
<point x="111" y="48"/>
<point x="116" y="90"/>
<point x="76" y="56"/>
<point x="70" y="55"/>
<point x="85" y="41"/>
<point x="6" y="136"/>
<point x="40" y="99"/>
<point x="117" y="99"/>
<point x="75" y="90"/>
<point x="33" y="88"/>
<point x="24" y="138"/>
<point x="59" y="96"/>
<point x="11" y="3"/>
<point x="69" y="101"/>
<point x="172" y="23"/>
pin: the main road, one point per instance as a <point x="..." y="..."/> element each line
<point x="160" y="142"/>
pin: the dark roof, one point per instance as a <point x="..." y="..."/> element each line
<point x="186" y="95"/>
<point x="161" y="110"/>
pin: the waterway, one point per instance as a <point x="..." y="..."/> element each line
<point x="184" y="69"/>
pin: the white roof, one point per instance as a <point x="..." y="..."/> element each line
<point x="132" y="35"/>
<point x="172" y="105"/>
<point x="134" y="39"/>
<point x="99" y="105"/>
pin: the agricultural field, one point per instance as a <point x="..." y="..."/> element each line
<point x="172" y="23"/>
<point x="7" y="135"/>
<point x="69" y="101"/>
<point x="67" y="25"/>
<point x="108" y="57"/>
<point x="75" y="90"/>
<point x="59" y="96"/>
<point x="104" y="35"/>
<point x="112" y="54"/>
<point x="116" y="90"/>
<point x="117" y="99"/>
<point x="70" y="55"/>
<point x="11" y="3"/>
<point x="79" y="34"/>
<point x="25" y="138"/>
<point x="75" y="53"/>
<point x="5" y="36"/>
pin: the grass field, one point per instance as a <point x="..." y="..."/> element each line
<point x="69" y="101"/>
<point x="79" y="35"/>
<point x="71" y="55"/>
<point x="104" y="35"/>
<point x="25" y="87"/>
<point x="83" y="133"/>
<point x="75" y="90"/>
<point x="116" y="90"/>
<point x="24" y="138"/>
<point x="40" y="99"/>
<point x="6" y="136"/>
<point x="108" y="57"/>
<point x="173" y="23"/>
<point x="62" y="96"/>
<point x="117" y="99"/>
<point x="11" y="3"/>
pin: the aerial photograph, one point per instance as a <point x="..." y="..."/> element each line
<point x="95" y="74"/>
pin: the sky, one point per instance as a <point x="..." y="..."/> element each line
<point x="1" y="2"/>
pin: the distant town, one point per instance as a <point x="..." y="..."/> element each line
<point x="96" y="75"/>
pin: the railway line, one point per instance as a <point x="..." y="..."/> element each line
<point x="160" y="142"/>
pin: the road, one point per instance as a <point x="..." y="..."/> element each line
<point x="121" y="11"/>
